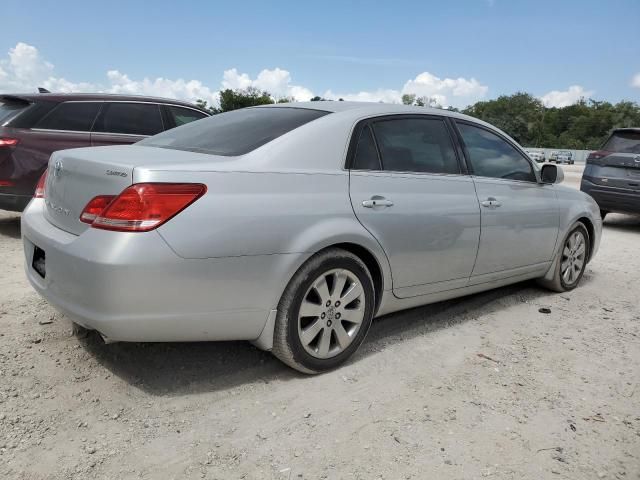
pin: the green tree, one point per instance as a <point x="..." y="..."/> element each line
<point x="250" y="97"/>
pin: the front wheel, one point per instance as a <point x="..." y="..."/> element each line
<point x="572" y="260"/>
<point x="325" y="312"/>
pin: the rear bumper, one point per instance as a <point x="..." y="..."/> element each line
<point x="612" y="199"/>
<point x="14" y="203"/>
<point x="133" y="287"/>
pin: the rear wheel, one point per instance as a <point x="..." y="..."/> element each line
<point x="325" y="312"/>
<point x="572" y="260"/>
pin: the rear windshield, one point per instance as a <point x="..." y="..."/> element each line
<point x="623" y="142"/>
<point x="8" y="109"/>
<point x="234" y="133"/>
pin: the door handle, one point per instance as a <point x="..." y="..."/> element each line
<point x="490" y="202"/>
<point x="377" y="201"/>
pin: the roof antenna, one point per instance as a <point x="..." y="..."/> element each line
<point x="43" y="90"/>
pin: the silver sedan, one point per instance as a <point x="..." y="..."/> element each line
<point x="293" y="226"/>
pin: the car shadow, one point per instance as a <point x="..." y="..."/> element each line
<point x="174" y="369"/>
<point x="622" y="223"/>
<point x="10" y="225"/>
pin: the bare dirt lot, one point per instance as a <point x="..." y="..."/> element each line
<point x="486" y="386"/>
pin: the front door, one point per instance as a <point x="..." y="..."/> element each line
<point x="519" y="215"/>
<point x="407" y="189"/>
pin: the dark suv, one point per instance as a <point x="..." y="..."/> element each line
<point x="612" y="174"/>
<point x="34" y="126"/>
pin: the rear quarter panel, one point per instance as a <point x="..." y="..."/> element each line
<point x="249" y="213"/>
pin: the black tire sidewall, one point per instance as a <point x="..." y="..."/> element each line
<point x="578" y="227"/>
<point x="300" y="355"/>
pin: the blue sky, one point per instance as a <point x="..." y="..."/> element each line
<point x="469" y="49"/>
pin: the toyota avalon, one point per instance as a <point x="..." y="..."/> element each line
<point x="293" y="226"/>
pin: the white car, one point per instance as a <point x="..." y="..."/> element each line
<point x="536" y="155"/>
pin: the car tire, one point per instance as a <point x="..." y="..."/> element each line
<point x="572" y="260"/>
<point x="333" y="331"/>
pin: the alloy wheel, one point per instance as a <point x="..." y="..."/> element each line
<point x="573" y="257"/>
<point x="331" y="313"/>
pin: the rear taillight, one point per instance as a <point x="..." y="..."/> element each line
<point x="144" y="206"/>
<point x="6" y="183"/>
<point x="95" y="207"/>
<point x="8" y="142"/>
<point x="598" y="155"/>
<point x="40" y="190"/>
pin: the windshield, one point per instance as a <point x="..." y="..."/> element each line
<point x="623" y="142"/>
<point x="234" y="133"/>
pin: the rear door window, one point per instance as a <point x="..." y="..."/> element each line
<point x="236" y="132"/>
<point x="129" y="118"/>
<point x="366" y="157"/>
<point x="416" y="145"/>
<point x="9" y="109"/>
<point x="70" y="116"/>
<point x="182" y="116"/>
<point x="623" y="142"/>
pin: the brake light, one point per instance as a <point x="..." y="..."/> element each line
<point x="598" y="155"/>
<point x="145" y="206"/>
<point x="9" y="142"/>
<point x="95" y="207"/>
<point x="40" y="186"/>
<point x="6" y="183"/>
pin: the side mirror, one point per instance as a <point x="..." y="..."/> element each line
<point x="551" y="173"/>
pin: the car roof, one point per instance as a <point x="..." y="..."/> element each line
<point x="66" y="97"/>
<point x="364" y="107"/>
<point x="627" y="129"/>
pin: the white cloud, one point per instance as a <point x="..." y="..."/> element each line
<point x="635" y="81"/>
<point x="277" y="82"/>
<point x="564" y="98"/>
<point x="24" y="69"/>
<point x="380" y="95"/>
<point x="458" y="92"/>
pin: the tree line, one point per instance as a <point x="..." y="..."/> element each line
<point x="583" y="125"/>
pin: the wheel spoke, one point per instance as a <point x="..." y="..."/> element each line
<point x="324" y="343"/>
<point x="340" y="278"/>
<point x="564" y="265"/>
<point x="322" y="288"/>
<point x="580" y="251"/>
<point x="311" y="332"/>
<point x="341" y="334"/>
<point x="353" y="315"/>
<point x="567" y="275"/>
<point x="309" y="309"/>
<point x="578" y="264"/>
<point x="354" y="291"/>
<point x="567" y="251"/>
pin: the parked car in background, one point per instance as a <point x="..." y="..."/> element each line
<point x="536" y="155"/>
<point x="612" y="174"/>
<point x="562" y="156"/>
<point x="34" y="126"/>
<point x="294" y="225"/>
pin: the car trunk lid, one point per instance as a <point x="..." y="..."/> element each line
<point x="74" y="178"/>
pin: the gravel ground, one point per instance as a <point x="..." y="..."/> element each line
<point x="485" y="386"/>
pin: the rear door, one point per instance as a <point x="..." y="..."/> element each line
<point x="408" y="189"/>
<point x="519" y="216"/>
<point x="121" y="123"/>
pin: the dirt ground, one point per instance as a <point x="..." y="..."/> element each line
<point x="485" y="386"/>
